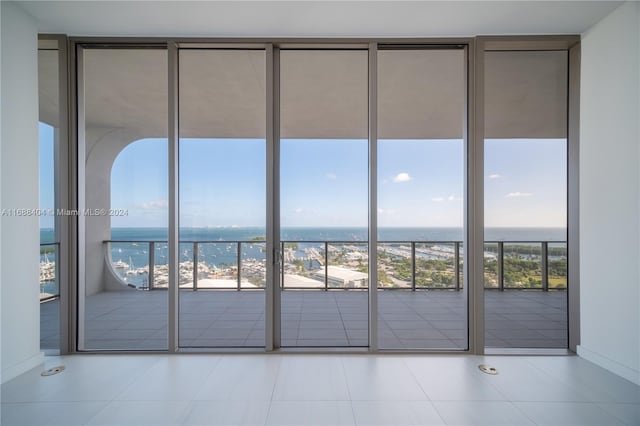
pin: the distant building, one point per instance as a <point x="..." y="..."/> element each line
<point x="342" y="277"/>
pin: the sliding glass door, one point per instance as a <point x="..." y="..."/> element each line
<point x="123" y="218"/>
<point x="323" y="193"/>
<point x="422" y="296"/>
<point x="526" y="199"/>
<point x="222" y="149"/>
<point x="51" y="146"/>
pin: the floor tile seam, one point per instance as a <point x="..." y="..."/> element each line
<point x="137" y="400"/>
<point x="346" y="380"/>
<point x="135" y="377"/>
<point x="275" y="383"/>
<point x="521" y="411"/>
<point x="343" y="368"/>
<point x="188" y="409"/>
<point x="555" y="402"/>
<point x="218" y="360"/>
<point x="415" y="378"/>
<point x="562" y="380"/>
<point x="180" y="418"/>
<point x="504" y="399"/>
<point x="614" y="415"/>
<point x="426" y="402"/>
<point x="511" y="403"/>
<point x="356" y="400"/>
<point x="498" y="389"/>
<point x="108" y="403"/>
<point x="435" y="407"/>
<point x="70" y="401"/>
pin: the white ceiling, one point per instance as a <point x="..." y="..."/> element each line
<point x="316" y="18"/>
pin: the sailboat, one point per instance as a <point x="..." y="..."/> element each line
<point x="131" y="270"/>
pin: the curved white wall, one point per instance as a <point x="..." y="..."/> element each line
<point x="103" y="147"/>
<point x="610" y="193"/>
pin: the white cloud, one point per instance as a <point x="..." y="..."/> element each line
<point x="155" y="205"/>
<point x="449" y="198"/>
<point x="331" y="176"/>
<point x="518" y="194"/>
<point x="495" y="176"/>
<point x="298" y="210"/>
<point x="387" y="212"/>
<point x="402" y="177"/>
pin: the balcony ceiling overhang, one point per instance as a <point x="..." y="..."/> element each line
<point x="421" y="96"/>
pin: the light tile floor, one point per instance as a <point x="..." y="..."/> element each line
<point x="287" y="389"/>
<point x="413" y="320"/>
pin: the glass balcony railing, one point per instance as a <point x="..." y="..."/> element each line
<point x="239" y="265"/>
<point x="49" y="282"/>
<point x="420" y="265"/>
<point x="339" y="265"/>
<point x="526" y="265"/>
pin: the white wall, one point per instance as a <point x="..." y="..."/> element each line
<point x="19" y="189"/>
<point x="0" y="205"/>
<point x="610" y="193"/>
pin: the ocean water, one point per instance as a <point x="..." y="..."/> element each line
<point x="328" y="234"/>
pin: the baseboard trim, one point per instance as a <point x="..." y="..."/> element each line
<point x="609" y="364"/>
<point x="14" y="371"/>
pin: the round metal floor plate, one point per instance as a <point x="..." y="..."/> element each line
<point x="52" y="371"/>
<point x="488" y="369"/>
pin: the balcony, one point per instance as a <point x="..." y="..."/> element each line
<point x="49" y="296"/>
<point x="421" y="298"/>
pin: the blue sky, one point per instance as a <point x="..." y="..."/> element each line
<point x="324" y="182"/>
<point x="525" y="183"/>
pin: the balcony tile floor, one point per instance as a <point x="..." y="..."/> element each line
<point x="311" y="318"/>
<point x="331" y="389"/>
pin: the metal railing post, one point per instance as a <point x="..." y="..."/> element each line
<point x="456" y="255"/>
<point x="413" y="266"/>
<point x="545" y="266"/>
<point x="152" y="265"/>
<point x="501" y="266"/>
<point x="239" y="247"/>
<point x="281" y="260"/>
<point x="56" y="271"/>
<point x="195" y="265"/>
<point x="326" y="266"/>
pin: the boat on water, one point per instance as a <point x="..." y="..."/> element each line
<point x="131" y="270"/>
<point x="121" y="265"/>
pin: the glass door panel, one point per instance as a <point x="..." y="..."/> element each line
<point x="125" y="199"/>
<point x="422" y="297"/>
<point x="323" y="197"/>
<point x="49" y="145"/>
<point x="525" y="198"/>
<point x="222" y="169"/>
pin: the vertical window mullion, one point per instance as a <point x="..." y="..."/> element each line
<point x="373" y="197"/>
